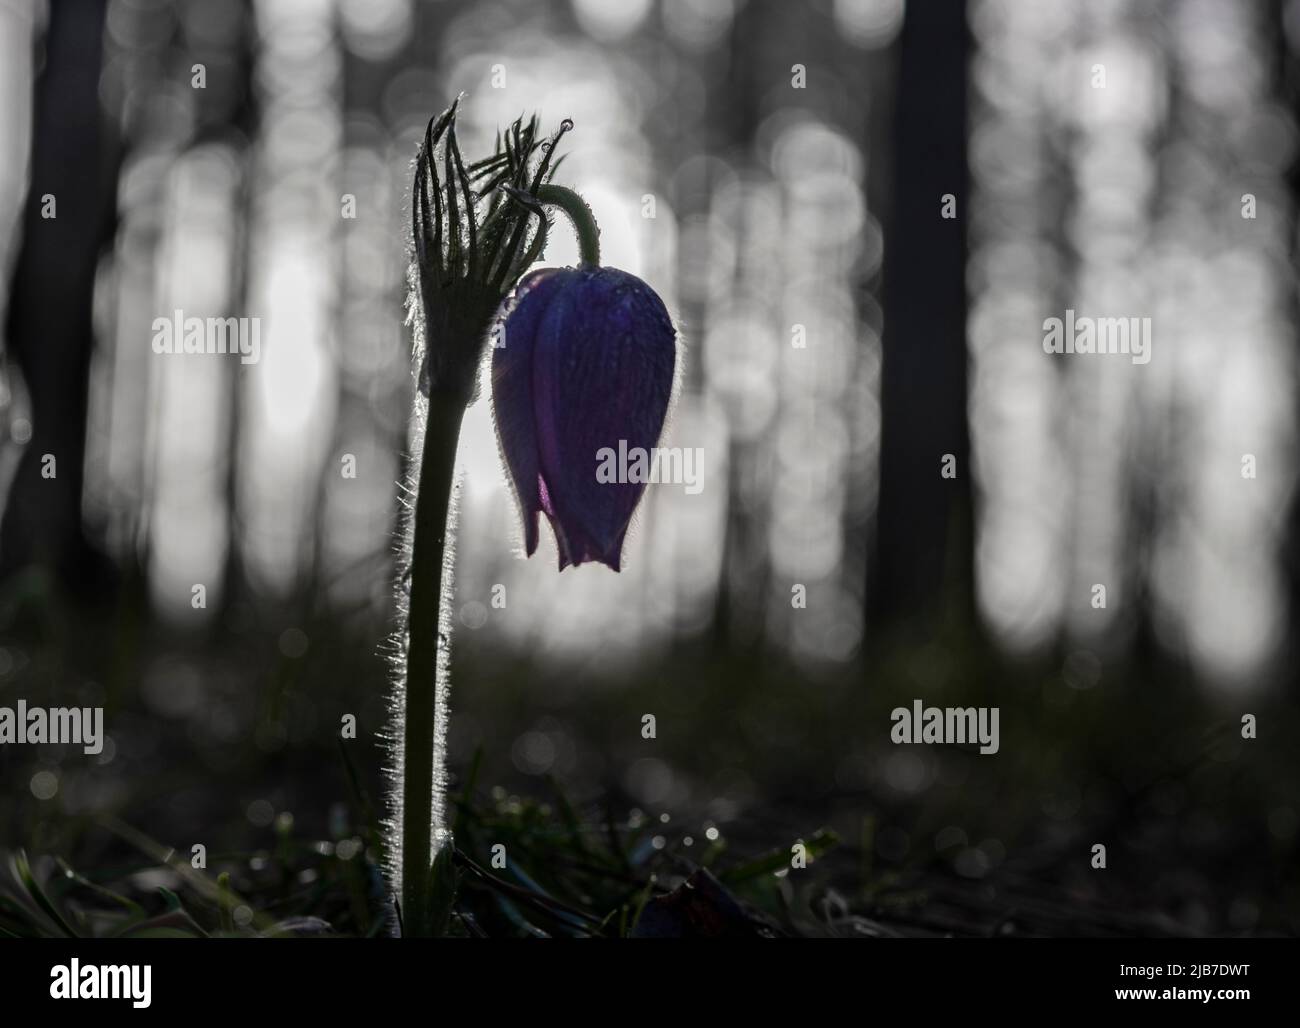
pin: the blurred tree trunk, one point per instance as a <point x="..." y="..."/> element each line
<point x="925" y="538"/>
<point x="240" y="125"/>
<point x="738" y="605"/>
<point x="49" y="328"/>
<point x="1286" y="65"/>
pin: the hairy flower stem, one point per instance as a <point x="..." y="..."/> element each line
<point x="421" y="732"/>
<point x="584" y="223"/>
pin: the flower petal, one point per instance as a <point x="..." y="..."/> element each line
<point x="512" y="393"/>
<point x="603" y="362"/>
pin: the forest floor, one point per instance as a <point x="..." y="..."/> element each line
<point x="771" y="803"/>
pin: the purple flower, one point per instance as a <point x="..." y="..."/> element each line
<point x="585" y="360"/>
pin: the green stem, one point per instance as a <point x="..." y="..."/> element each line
<point x="584" y="222"/>
<point x="420" y="730"/>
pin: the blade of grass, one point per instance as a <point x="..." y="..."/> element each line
<point x="23" y="872"/>
<point x="776" y="860"/>
<point x="130" y="906"/>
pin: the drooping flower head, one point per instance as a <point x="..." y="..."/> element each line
<point x="584" y="363"/>
<point x="583" y="360"/>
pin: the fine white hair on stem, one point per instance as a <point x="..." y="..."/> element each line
<point x="397" y="653"/>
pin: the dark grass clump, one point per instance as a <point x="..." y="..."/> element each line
<point x="546" y="872"/>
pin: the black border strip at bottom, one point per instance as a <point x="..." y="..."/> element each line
<point x="340" y="978"/>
